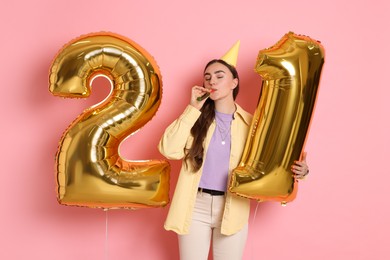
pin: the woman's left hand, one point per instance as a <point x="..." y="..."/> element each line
<point x="300" y="168"/>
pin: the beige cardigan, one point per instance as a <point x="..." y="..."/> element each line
<point x="176" y="137"/>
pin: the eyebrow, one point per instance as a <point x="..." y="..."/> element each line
<point x="218" y="71"/>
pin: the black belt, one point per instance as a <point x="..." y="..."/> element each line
<point x="212" y="192"/>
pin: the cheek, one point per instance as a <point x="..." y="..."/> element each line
<point x="225" y="90"/>
<point x="228" y="86"/>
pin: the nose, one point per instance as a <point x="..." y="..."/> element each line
<point x="212" y="81"/>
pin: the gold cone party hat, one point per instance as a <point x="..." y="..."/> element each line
<point x="231" y="56"/>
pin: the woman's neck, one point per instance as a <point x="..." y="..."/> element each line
<point x="226" y="106"/>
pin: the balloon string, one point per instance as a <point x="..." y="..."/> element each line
<point x="254" y="215"/>
<point x="106" y="247"/>
<point x="253" y="220"/>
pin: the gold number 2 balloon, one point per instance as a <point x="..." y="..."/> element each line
<point x="290" y="71"/>
<point x="90" y="171"/>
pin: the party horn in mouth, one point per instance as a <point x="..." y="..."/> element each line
<point x="205" y="95"/>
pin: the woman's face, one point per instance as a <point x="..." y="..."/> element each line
<point x="219" y="78"/>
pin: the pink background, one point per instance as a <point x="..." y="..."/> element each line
<point x="341" y="212"/>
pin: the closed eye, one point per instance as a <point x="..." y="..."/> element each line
<point x="219" y="74"/>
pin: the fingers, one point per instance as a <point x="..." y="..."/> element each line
<point x="300" y="168"/>
<point x="304" y="156"/>
<point x="199" y="95"/>
<point x="299" y="174"/>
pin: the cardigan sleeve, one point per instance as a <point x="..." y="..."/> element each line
<point x="173" y="142"/>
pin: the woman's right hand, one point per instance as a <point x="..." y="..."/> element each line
<point x="198" y="91"/>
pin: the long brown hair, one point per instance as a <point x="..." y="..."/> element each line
<point x="194" y="155"/>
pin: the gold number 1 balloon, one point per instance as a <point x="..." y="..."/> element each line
<point x="290" y="71"/>
<point x="90" y="171"/>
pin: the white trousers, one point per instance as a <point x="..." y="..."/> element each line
<point x="206" y="229"/>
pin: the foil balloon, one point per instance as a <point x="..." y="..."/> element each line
<point x="89" y="169"/>
<point x="290" y="72"/>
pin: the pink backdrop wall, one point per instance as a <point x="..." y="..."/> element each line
<point x="341" y="211"/>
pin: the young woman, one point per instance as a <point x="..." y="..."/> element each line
<point x="209" y="137"/>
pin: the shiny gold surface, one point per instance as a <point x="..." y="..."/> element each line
<point x="89" y="169"/>
<point x="290" y="71"/>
